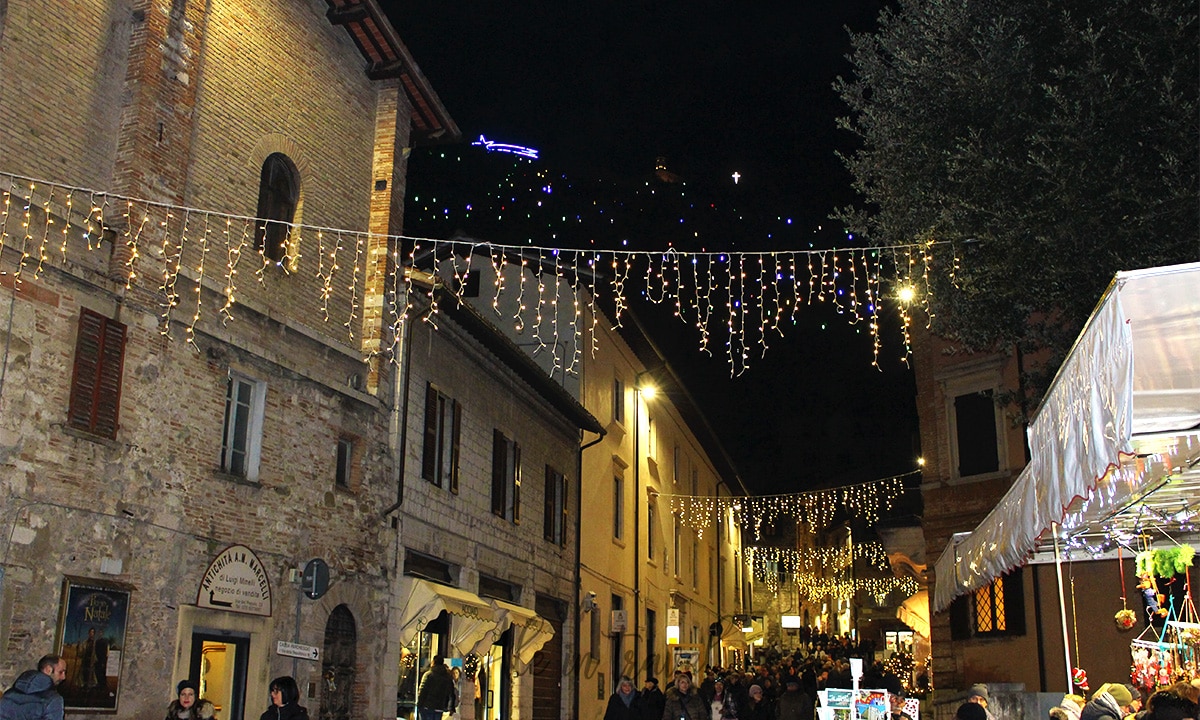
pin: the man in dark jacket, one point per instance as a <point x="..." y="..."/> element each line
<point x="436" y="693"/>
<point x="651" y="700"/>
<point x="32" y="696"/>
<point x="794" y="704"/>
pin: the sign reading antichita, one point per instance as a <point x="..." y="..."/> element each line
<point x="236" y="582"/>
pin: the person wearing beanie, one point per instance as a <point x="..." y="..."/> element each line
<point x="757" y="706"/>
<point x="1112" y="701"/>
<point x="186" y="706"/>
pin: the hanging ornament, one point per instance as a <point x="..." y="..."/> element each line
<point x="1080" y="679"/>
<point x="1125" y="618"/>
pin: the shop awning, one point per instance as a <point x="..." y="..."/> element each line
<point x="914" y="612"/>
<point x="530" y="630"/>
<point x="471" y="617"/>
<point x="1117" y="434"/>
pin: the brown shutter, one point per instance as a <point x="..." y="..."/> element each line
<point x="455" y="432"/>
<point x="499" y="453"/>
<point x="548" y="506"/>
<point x="562" y="537"/>
<point x="429" y="451"/>
<point x="95" y="398"/>
<point x="516" y="486"/>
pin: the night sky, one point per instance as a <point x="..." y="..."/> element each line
<point x="601" y="90"/>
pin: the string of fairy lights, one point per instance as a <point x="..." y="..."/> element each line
<point x="764" y="561"/>
<point x="737" y="302"/>
<point x="815" y="508"/>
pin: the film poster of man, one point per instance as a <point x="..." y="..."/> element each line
<point x="92" y="636"/>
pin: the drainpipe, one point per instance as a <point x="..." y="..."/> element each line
<point x="637" y="526"/>
<point x="577" y="660"/>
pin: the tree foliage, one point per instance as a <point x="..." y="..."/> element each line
<point x="1050" y="143"/>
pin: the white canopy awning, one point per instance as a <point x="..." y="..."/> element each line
<point x="530" y="630"/>
<point x="1118" y="424"/>
<point x="471" y="617"/>
<point x="914" y="612"/>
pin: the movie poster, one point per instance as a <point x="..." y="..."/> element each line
<point x="91" y="638"/>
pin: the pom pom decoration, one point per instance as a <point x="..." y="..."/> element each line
<point x="1125" y="619"/>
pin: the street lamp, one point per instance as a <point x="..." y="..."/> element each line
<point x="641" y="389"/>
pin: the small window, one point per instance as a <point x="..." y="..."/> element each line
<point x="242" y="434"/>
<point x="994" y="610"/>
<point x="506" y="477"/>
<point x="975" y="431"/>
<point x="555" y="515"/>
<point x="345" y="462"/>
<point x="651" y="522"/>
<point x="618" y="506"/>
<point x="430" y="568"/>
<point x="278" y="195"/>
<point x="675" y="464"/>
<point x="439" y="455"/>
<point x="96" y="380"/>
<point x="618" y="401"/>
<point x="678" y="543"/>
<point x="493" y="587"/>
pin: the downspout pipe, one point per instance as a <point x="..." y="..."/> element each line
<point x="577" y="659"/>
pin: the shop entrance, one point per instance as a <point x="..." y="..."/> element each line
<point x="218" y="667"/>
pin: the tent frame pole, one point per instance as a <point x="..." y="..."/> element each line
<point x="1062" y="605"/>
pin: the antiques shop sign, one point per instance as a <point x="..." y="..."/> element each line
<point x="236" y="582"/>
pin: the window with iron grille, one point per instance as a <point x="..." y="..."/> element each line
<point x="95" y="399"/>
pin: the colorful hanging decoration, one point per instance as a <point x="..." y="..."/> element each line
<point x="1125" y="618"/>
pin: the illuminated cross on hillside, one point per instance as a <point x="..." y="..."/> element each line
<point x="736" y="176"/>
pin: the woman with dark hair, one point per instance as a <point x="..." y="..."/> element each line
<point x="187" y="706"/>
<point x="285" y="695"/>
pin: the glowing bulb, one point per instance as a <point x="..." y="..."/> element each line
<point x="906" y="294"/>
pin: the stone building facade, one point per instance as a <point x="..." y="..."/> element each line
<point x="492" y="480"/>
<point x="186" y="416"/>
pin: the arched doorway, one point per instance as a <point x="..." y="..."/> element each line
<point x="337" y="665"/>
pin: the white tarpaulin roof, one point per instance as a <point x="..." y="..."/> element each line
<point x="471" y="617"/>
<point x="1118" y="424"/>
<point x="530" y="630"/>
<point x="914" y="612"/>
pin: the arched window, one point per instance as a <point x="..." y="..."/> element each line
<point x="338" y="665"/>
<point x="278" y="193"/>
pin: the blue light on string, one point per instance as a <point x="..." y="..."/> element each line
<point x="492" y="146"/>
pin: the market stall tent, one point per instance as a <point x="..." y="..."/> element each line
<point x="1115" y="444"/>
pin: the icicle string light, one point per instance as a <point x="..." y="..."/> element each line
<point x="791" y="562"/>
<point x="733" y="298"/>
<point x="817" y="508"/>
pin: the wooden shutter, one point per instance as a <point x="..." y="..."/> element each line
<point x="1014" y="602"/>
<point x="516" y="486"/>
<point x="548" y="506"/>
<point x="562" y="538"/>
<point x="429" y="452"/>
<point x="95" y="398"/>
<point x="454" y="436"/>
<point x="499" y="455"/>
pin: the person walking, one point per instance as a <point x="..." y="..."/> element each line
<point x="683" y="703"/>
<point x="285" y="699"/>
<point x="624" y="703"/>
<point x="436" y="695"/>
<point x="794" y="704"/>
<point x="34" y="695"/>
<point x="651" y="701"/>
<point x="186" y="706"/>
